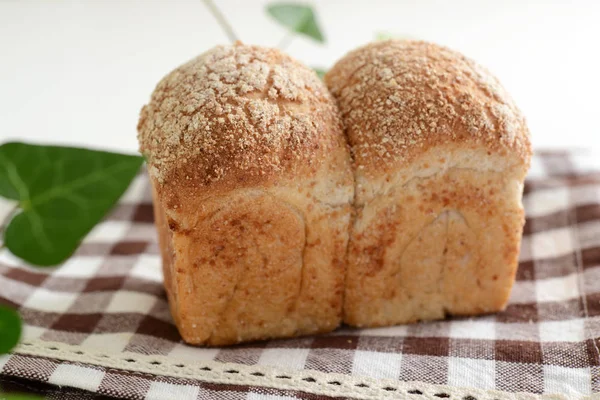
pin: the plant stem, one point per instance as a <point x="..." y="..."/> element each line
<point x="6" y="220"/>
<point x="286" y="40"/>
<point x="221" y="20"/>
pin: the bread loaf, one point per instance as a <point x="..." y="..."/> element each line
<point x="252" y="194"/>
<point x="440" y="155"/>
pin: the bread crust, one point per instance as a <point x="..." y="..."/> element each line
<point x="440" y="155"/>
<point x="400" y="98"/>
<point x="253" y="188"/>
<point x="237" y="116"/>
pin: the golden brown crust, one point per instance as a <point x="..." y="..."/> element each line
<point x="399" y="98"/>
<point x="445" y="243"/>
<point x="252" y="191"/>
<point x="235" y="116"/>
<point x="257" y="264"/>
<point x="440" y="155"/>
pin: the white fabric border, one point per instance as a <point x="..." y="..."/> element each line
<point x="217" y="372"/>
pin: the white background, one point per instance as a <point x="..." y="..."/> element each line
<point x="78" y="72"/>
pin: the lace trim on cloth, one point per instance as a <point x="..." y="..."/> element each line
<point x="314" y="382"/>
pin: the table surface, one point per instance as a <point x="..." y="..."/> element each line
<point x="78" y="72"/>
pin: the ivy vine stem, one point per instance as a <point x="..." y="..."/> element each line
<point x="221" y="20"/>
<point x="286" y="40"/>
<point x="5" y="222"/>
<point x="8" y="217"/>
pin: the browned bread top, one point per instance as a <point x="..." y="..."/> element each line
<point x="399" y="98"/>
<point x="237" y="116"/>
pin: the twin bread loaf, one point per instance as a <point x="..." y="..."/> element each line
<point x="273" y="222"/>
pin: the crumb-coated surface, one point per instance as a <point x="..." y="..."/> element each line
<point x="253" y="188"/>
<point x="440" y="154"/>
<point x="398" y="98"/>
<point x="238" y="114"/>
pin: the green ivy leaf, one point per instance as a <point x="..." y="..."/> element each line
<point x="62" y="193"/>
<point x="18" y="397"/>
<point x="10" y="329"/>
<point x="299" y="18"/>
<point x="320" y="71"/>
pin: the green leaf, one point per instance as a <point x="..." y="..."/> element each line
<point x="320" y="71"/>
<point x="62" y="193"/>
<point x="18" y="397"/>
<point x="10" y="329"/>
<point x="299" y="18"/>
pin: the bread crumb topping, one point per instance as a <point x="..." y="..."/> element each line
<point x="399" y="98"/>
<point x="235" y="108"/>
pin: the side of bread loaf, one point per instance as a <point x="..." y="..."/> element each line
<point x="253" y="187"/>
<point x="440" y="155"/>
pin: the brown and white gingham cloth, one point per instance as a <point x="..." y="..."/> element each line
<point x="101" y="321"/>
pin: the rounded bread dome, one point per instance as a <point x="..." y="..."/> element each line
<point x="237" y="114"/>
<point x="399" y="98"/>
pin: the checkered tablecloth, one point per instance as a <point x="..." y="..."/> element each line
<point x="100" y="323"/>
